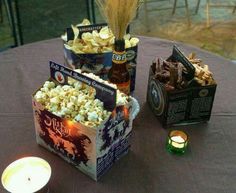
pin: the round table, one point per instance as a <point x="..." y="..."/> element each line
<point x="208" y="165"/>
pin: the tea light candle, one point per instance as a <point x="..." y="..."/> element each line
<point x="177" y="142"/>
<point x="26" y="175"/>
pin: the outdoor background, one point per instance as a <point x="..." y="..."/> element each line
<point x="44" y="19"/>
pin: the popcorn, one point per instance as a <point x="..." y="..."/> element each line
<point x="44" y="89"/>
<point x="73" y="99"/>
<point x="87" y="105"/>
<point x="79" y="118"/>
<point x="89" y="124"/>
<point x="95" y="42"/>
<point x="53" y="108"/>
<point x="49" y="85"/>
<point x="58" y="113"/>
<point x="40" y="96"/>
<point x="76" y="101"/>
<point x="55" y="100"/>
<point x="92" y="116"/>
<point x="121" y="99"/>
<point x="65" y="110"/>
<point x="98" y="103"/>
<point x="70" y="105"/>
<point x="66" y="87"/>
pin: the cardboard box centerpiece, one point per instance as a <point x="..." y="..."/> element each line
<point x="97" y="63"/>
<point x="91" y="150"/>
<point x="192" y="104"/>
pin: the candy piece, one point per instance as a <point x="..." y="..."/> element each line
<point x="171" y="73"/>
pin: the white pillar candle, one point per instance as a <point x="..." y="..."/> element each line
<point x="177" y="141"/>
<point x="26" y="175"/>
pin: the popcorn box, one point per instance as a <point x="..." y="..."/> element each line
<point x="98" y="63"/>
<point x="93" y="150"/>
<point x="186" y="106"/>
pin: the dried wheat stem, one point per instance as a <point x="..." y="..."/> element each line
<point x="118" y="14"/>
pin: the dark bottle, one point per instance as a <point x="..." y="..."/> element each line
<point x="119" y="73"/>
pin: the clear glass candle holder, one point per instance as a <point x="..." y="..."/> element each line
<point x="177" y="142"/>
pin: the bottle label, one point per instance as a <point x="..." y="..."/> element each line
<point x="119" y="57"/>
<point x="124" y="87"/>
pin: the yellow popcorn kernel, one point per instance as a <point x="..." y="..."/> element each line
<point x="82" y="112"/>
<point x="73" y="99"/>
<point x="70" y="105"/>
<point x="92" y="116"/>
<point x="44" y="89"/>
<point x="67" y="116"/>
<point x="66" y="87"/>
<point x="55" y="100"/>
<point x="89" y="124"/>
<point x="87" y="105"/>
<point x="53" y="108"/>
<point x="79" y="118"/>
<point x="73" y="114"/>
<point x="78" y="85"/>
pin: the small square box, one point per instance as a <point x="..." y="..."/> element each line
<point x="184" y="106"/>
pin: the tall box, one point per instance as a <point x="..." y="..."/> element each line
<point x="93" y="150"/>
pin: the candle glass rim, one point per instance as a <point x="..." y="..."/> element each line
<point x="18" y="161"/>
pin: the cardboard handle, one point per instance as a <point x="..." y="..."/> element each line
<point x="135" y="108"/>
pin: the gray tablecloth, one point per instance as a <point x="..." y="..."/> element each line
<point x="209" y="165"/>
